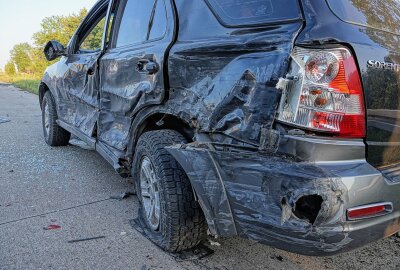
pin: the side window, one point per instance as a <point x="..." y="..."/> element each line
<point x="92" y="41"/>
<point x="159" y="23"/>
<point x="135" y="22"/>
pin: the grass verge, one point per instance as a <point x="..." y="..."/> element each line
<point x="23" y="82"/>
<point x="28" y="85"/>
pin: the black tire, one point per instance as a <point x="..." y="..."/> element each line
<point x="182" y="223"/>
<point x="54" y="135"/>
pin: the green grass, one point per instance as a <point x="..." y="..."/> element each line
<point x="28" y="85"/>
<point x="24" y="82"/>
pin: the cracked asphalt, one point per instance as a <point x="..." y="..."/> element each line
<point x="52" y="196"/>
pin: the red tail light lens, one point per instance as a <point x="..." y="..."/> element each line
<point x="328" y="96"/>
<point x="368" y="211"/>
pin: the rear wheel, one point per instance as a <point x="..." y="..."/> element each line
<point x="168" y="208"/>
<point x="54" y="135"/>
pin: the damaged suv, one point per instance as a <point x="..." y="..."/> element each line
<point x="278" y="121"/>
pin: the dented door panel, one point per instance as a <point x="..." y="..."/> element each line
<point x="125" y="90"/>
<point x="132" y="79"/>
<point x="74" y="84"/>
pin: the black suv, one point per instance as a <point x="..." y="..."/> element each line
<point x="278" y="121"/>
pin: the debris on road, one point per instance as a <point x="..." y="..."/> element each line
<point x="214" y="243"/>
<point x="52" y="227"/>
<point x="6" y="205"/>
<point x="86" y="239"/>
<point x="4" y="120"/>
<point x="123" y="196"/>
<point x="279" y="258"/>
<point x="197" y="253"/>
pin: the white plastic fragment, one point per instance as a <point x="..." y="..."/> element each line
<point x="282" y="84"/>
<point x="214" y="243"/>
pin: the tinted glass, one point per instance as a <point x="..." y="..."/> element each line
<point x="243" y="12"/>
<point x="381" y="14"/>
<point x="159" y="22"/>
<point x="135" y="22"/>
<point x="93" y="40"/>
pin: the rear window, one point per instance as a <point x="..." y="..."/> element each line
<point x="249" y="12"/>
<point x="380" y="14"/>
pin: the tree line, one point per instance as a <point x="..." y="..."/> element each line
<point x="29" y="59"/>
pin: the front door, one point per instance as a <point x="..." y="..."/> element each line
<point x="79" y="104"/>
<point x="131" y="70"/>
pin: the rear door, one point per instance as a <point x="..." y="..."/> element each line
<point x="132" y="68"/>
<point x="379" y="61"/>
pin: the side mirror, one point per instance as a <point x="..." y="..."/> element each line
<point x="53" y="50"/>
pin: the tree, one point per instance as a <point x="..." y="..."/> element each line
<point x="60" y="28"/>
<point x="10" y="69"/>
<point x="21" y="55"/>
<point x="94" y="39"/>
<point x="26" y="58"/>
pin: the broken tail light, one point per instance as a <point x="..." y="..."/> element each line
<point x="324" y="93"/>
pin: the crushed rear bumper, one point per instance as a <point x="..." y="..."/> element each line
<point x="295" y="206"/>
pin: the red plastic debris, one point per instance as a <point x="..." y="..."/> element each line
<point x="53" y="227"/>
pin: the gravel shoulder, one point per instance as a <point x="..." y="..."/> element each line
<point x="52" y="196"/>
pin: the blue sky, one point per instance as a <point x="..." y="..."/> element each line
<point x="19" y="19"/>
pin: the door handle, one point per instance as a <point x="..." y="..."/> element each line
<point x="147" y="66"/>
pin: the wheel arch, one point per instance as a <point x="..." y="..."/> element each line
<point x="43" y="88"/>
<point x="157" y="118"/>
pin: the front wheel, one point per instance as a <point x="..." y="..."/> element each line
<point x="168" y="208"/>
<point x="54" y="135"/>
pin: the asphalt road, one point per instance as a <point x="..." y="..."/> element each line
<point x="71" y="188"/>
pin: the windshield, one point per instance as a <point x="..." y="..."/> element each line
<point x="379" y="14"/>
<point x="245" y="12"/>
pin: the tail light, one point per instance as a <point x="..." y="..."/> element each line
<point x="325" y="93"/>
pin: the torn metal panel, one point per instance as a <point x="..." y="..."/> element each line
<point x="292" y="205"/>
<point x="224" y="82"/>
<point x="256" y="196"/>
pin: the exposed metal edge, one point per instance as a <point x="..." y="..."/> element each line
<point x="223" y="189"/>
<point x="345" y="162"/>
<point x="320" y="140"/>
<point x="90" y="141"/>
<point x="391" y="172"/>
<point x="109" y="156"/>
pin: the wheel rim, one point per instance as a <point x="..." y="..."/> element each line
<point x="150" y="193"/>
<point x="47" y="119"/>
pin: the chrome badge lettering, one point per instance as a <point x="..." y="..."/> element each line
<point x="383" y="65"/>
